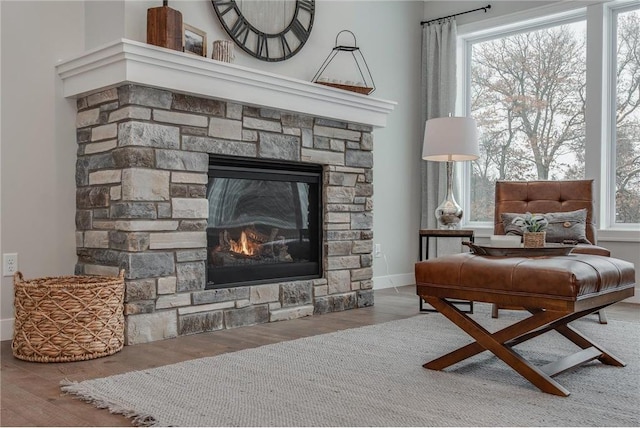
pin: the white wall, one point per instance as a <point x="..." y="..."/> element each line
<point x="104" y="22"/>
<point x="37" y="141"/>
<point x="38" y="148"/>
<point x="438" y="9"/>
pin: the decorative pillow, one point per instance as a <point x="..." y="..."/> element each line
<point x="563" y="226"/>
<point x="507" y="223"/>
<point x="567" y="226"/>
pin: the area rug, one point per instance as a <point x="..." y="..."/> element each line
<point x="373" y="376"/>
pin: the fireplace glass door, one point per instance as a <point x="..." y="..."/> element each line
<point x="264" y="222"/>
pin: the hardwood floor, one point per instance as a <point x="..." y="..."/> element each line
<point x="31" y="393"/>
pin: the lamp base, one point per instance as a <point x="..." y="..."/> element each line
<point x="449" y="213"/>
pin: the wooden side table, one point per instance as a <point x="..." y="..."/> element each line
<point x="424" y="236"/>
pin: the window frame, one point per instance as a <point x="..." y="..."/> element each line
<point x="612" y="11"/>
<point x="601" y="85"/>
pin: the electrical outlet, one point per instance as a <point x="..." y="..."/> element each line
<point x="9" y="264"/>
<point x="377" y="251"/>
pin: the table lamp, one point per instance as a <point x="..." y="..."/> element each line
<point x="450" y="139"/>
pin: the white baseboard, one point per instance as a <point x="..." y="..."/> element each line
<point x="6" y="329"/>
<point x="389" y="281"/>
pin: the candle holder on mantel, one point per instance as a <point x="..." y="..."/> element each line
<point x="164" y="27"/>
<point x="365" y="86"/>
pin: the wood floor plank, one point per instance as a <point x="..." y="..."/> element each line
<point x="9" y="418"/>
<point x="45" y="410"/>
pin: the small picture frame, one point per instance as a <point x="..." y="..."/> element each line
<point x="194" y="40"/>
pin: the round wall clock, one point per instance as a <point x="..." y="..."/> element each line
<point x="272" y="30"/>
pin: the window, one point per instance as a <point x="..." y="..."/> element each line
<point x="525" y="83"/>
<point x="626" y="116"/>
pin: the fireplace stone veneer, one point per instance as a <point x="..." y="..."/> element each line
<point x="141" y="177"/>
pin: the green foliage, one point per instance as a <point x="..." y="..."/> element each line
<point x="531" y="222"/>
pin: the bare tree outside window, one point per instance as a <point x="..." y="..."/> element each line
<point x="528" y="96"/>
<point x="627" y="117"/>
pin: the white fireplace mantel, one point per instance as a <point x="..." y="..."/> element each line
<point x="126" y="61"/>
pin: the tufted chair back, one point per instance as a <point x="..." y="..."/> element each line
<point x="544" y="197"/>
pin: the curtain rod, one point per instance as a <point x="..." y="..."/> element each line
<point x="456" y="14"/>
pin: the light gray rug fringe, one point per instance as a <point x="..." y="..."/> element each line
<point x="85" y="394"/>
<point x="373" y="376"/>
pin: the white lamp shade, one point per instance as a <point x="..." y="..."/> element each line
<point x="450" y="139"/>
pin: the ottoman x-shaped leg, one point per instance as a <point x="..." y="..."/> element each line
<point x="501" y="343"/>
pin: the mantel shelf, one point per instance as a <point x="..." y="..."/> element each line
<point x="126" y="61"/>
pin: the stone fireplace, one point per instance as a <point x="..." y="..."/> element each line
<point x="143" y="187"/>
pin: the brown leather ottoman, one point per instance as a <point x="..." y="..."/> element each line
<point x="555" y="290"/>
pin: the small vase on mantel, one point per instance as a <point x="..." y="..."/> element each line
<point x="222" y="51"/>
<point x="534" y="239"/>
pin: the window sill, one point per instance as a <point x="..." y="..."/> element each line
<point x="619" y="235"/>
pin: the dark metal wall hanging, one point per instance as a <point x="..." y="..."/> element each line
<point x="365" y="86"/>
<point x="271" y="47"/>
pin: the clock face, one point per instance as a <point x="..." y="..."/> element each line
<point x="270" y="30"/>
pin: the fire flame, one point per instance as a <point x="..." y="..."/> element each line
<point x="243" y="246"/>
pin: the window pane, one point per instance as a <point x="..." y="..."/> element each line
<point x="627" y="117"/>
<point x="528" y="97"/>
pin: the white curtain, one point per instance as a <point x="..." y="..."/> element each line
<point x="438" y="100"/>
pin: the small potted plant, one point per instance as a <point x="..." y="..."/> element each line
<point x="533" y="229"/>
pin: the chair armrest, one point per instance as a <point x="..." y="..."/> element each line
<point x="591" y="249"/>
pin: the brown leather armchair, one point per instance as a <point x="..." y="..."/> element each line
<point x="546" y="197"/>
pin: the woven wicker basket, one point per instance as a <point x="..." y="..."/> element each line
<point x="68" y="318"/>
